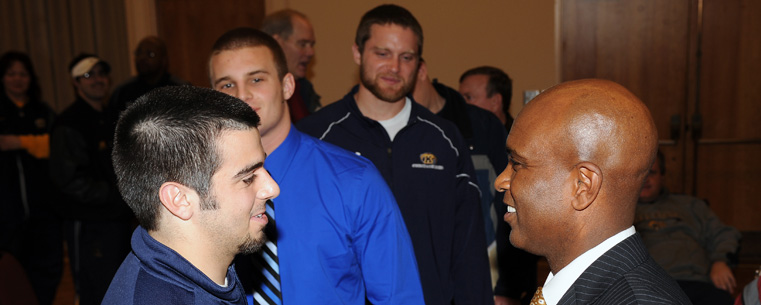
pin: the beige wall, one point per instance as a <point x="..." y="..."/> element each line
<point x="516" y="36"/>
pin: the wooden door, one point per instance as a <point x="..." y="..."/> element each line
<point x="728" y="146"/>
<point x="695" y="64"/>
<point x="642" y="45"/>
<point x="190" y="27"/>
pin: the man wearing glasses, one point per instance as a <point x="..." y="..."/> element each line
<point x="97" y="221"/>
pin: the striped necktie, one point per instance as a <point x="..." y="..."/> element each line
<point x="268" y="289"/>
<point x="538" y="298"/>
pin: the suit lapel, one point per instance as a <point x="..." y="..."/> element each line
<point x="605" y="271"/>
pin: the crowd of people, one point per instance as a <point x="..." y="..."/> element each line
<point x="255" y="191"/>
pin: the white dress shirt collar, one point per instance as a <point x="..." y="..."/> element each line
<point x="556" y="285"/>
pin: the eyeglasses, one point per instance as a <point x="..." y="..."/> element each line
<point x="140" y="53"/>
<point x="89" y="75"/>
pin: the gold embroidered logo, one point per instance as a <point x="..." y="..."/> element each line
<point x="428" y="158"/>
<point x="428" y="161"/>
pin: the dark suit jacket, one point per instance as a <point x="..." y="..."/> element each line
<point x="626" y="274"/>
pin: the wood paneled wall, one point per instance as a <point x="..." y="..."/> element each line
<point x="53" y="32"/>
<point x="699" y="64"/>
<point x="190" y="28"/>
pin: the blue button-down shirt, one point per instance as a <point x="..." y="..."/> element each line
<point x="341" y="237"/>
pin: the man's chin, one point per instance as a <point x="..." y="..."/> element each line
<point x="252" y="244"/>
<point x="516" y="241"/>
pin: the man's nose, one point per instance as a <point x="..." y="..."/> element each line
<point x="502" y="183"/>
<point x="394" y="64"/>
<point x="269" y="189"/>
<point x="243" y="94"/>
<point x="309" y="50"/>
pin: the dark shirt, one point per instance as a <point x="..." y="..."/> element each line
<point x="429" y="170"/>
<point x="486" y="137"/>
<point x="129" y="91"/>
<point x="80" y="164"/>
<point x="24" y="179"/>
<point x="155" y="274"/>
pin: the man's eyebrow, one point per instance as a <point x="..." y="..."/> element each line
<point x="514" y="155"/>
<point x="255" y="72"/>
<point x="249" y="169"/>
<point x="216" y="82"/>
<point x="227" y="78"/>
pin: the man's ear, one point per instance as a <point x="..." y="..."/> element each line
<point x="289" y="85"/>
<point x="357" y="54"/>
<point x="178" y="199"/>
<point x="496" y="100"/>
<point x="588" y="178"/>
<point x="422" y="71"/>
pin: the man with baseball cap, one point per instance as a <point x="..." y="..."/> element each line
<point x="97" y="221"/>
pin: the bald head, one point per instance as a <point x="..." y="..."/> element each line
<point x="601" y="122"/>
<point x="579" y="153"/>
<point x="151" y="57"/>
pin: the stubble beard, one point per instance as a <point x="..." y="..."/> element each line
<point x="252" y="244"/>
<point x="387" y="96"/>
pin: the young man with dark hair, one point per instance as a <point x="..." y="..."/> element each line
<point x="422" y="157"/>
<point x="190" y="164"/>
<point x="339" y="237"/>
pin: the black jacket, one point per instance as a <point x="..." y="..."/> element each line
<point x="486" y="136"/>
<point x="625" y="274"/>
<point x="80" y="164"/>
<point x="429" y="170"/>
<point x="24" y="180"/>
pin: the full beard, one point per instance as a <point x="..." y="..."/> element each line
<point x="391" y="95"/>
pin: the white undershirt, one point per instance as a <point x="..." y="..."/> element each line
<point x="556" y="285"/>
<point x="395" y="124"/>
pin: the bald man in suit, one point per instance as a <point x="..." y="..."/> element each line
<point x="578" y="155"/>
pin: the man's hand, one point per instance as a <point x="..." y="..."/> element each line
<point x="500" y="300"/>
<point x="722" y="276"/>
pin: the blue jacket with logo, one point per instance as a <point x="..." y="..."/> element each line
<point x="429" y="170"/>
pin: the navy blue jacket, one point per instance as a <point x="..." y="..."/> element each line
<point x="429" y="170"/>
<point x="155" y="274"/>
<point x="486" y="136"/>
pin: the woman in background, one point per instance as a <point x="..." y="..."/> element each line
<point x="30" y="228"/>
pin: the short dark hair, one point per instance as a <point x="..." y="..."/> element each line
<point x="388" y="14"/>
<point x="249" y="37"/>
<point x="499" y="82"/>
<point x="171" y="134"/>
<point x="34" y="93"/>
<point x="281" y="22"/>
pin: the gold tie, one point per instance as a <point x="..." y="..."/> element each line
<point x="538" y="298"/>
